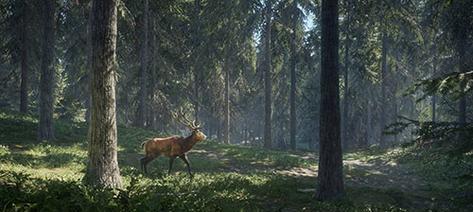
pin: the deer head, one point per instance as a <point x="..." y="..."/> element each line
<point x="195" y="127"/>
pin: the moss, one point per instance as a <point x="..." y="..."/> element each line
<point x="47" y="176"/>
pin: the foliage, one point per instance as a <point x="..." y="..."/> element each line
<point x="450" y="173"/>
<point x="447" y="84"/>
<point x="47" y="176"/>
<point x="451" y="135"/>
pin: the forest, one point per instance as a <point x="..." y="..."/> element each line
<point x="236" y="105"/>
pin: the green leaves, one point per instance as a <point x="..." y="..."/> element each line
<point x="448" y="84"/>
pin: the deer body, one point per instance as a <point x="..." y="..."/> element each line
<point x="172" y="147"/>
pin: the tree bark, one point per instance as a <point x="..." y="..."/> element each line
<point x="267" y="76"/>
<point x="292" y="97"/>
<point x="384" y="67"/>
<point x="155" y="123"/>
<point x="434" y="97"/>
<point x="46" y="87"/>
<point x="24" y="60"/>
<point x="219" y="129"/>
<point x="345" y="79"/>
<point x="197" y="67"/>
<point x="395" y="104"/>
<point x="369" y="121"/>
<point x="88" y="95"/>
<point x="463" y="67"/>
<point x="142" y="111"/>
<point x="330" y="175"/>
<point x="102" y="168"/>
<point x="226" y="124"/>
<point x="460" y="32"/>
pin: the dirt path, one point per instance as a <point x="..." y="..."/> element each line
<point x="397" y="181"/>
<point x="382" y="174"/>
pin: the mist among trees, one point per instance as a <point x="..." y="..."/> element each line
<point x="276" y="105"/>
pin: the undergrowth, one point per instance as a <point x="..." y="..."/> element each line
<point x="47" y="176"/>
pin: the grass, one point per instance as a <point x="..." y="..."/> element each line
<point x="47" y="176"/>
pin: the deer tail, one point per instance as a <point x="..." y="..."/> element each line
<point x="143" y="145"/>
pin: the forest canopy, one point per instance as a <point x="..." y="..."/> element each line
<point x="271" y="85"/>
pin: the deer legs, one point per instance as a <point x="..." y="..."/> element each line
<point x="184" y="158"/>
<point x="145" y="160"/>
<point x="171" y="161"/>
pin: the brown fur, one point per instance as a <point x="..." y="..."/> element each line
<point x="172" y="147"/>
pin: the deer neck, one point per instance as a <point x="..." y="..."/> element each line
<point x="189" y="142"/>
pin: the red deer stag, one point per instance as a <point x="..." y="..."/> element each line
<point x="174" y="146"/>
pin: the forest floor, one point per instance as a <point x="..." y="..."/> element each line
<point x="47" y="176"/>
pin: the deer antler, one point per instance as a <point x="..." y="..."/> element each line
<point x="195" y="124"/>
<point x="181" y="117"/>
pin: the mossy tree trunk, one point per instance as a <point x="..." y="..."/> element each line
<point x="102" y="168"/>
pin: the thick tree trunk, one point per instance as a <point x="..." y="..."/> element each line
<point x="292" y="97"/>
<point x="267" y="77"/>
<point x="142" y="111"/>
<point x="24" y="61"/>
<point x="102" y="168"/>
<point x="384" y="67"/>
<point x="46" y="87"/>
<point x="226" y="124"/>
<point x="330" y="174"/>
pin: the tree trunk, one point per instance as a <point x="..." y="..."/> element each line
<point x="434" y="97"/>
<point x="462" y="106"/>
<point x="267" y="76"/>
<point x="292" y="97"/>
<point x="142" y="111"/>
<point x="88" y="95"/>
<point x="330" y="174"/>
<point x="462" y="60"/>
<point x="46" y="86"/>
<point x="345" y="79"/>
<point x="24" y="61"/>
<point x="226" y="124"/>
<point x="197" y="67"/>
<point x="219" y="129"/>
<point x="460" y="32"/>
<point x="395" y="105"/>
<point x="102" y="168"/>
<point x="384" y="67"/>
<point x="154" y="77"/>
<point x="369" y="120"/>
